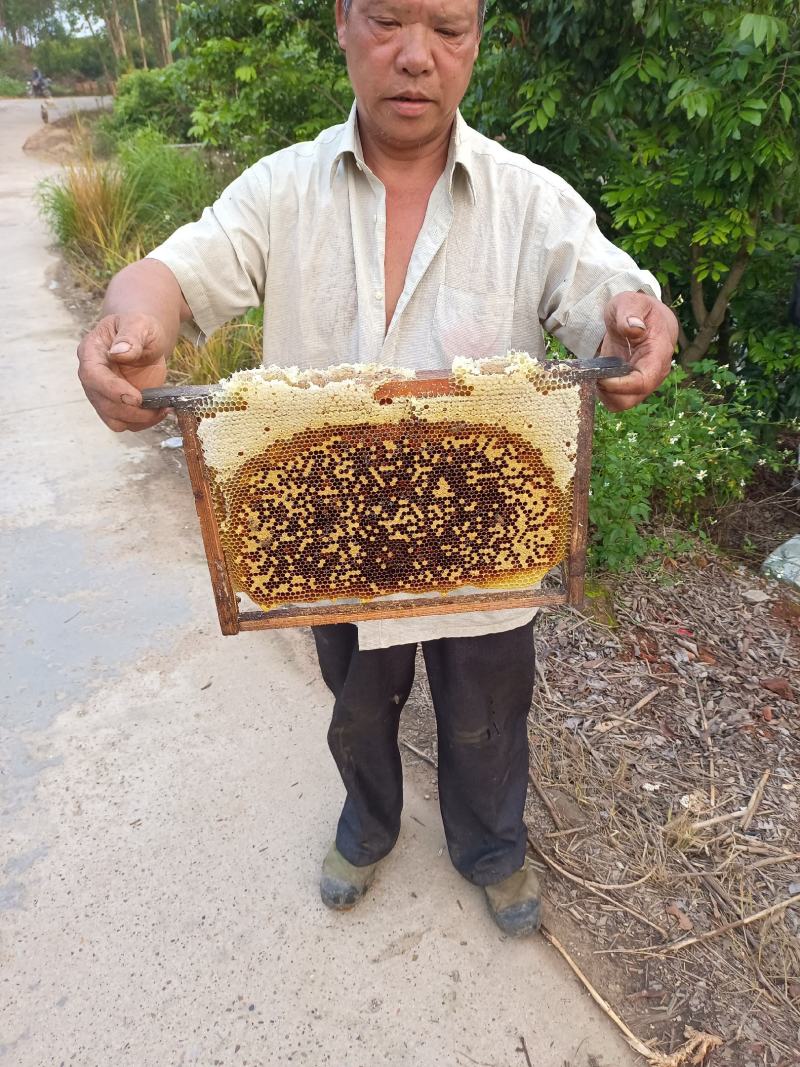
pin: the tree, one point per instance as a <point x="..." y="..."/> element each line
<point x="680" y="123"/>
<point x="26" y="21"/>
<point x="263" y="75"/>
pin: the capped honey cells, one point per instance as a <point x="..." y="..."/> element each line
<point x="360" y="482"/>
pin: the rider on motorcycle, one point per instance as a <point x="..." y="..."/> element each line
<point x="39" y="84"/>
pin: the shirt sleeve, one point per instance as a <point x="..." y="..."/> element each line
<point x="581" y="270"/>
<point x="220" y="261"/>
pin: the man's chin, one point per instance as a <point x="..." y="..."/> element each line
<point x="405" y="129"/>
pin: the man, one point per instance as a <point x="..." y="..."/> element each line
<point x="405" y="238"/>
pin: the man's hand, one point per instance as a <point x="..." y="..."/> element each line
<point x="120" y="356"/>
<point x="644" y="331"/>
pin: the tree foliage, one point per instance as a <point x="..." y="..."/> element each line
<point x="680" y="123"/>
<point x="264" y="75"/>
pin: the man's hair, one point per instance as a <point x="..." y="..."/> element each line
<point x="481" y="11"/>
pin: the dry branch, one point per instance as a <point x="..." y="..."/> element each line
<point x="698" y="1045"/>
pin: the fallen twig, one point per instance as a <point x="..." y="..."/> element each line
<point x="422" y="755"/>
<point x="592" y="887"/>
<point x="645" y="700"/>
<point x="712" y="788"/>
<point x="545" y="799"/>
<point x="780" y="906"/>
<point x="708" y="935"/>
<point x="755" y="800"/>
<point x="523" y="1048"/>
<point x="698" y="1044"/>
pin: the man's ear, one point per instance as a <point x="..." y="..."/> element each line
<point x="341" y="24"/>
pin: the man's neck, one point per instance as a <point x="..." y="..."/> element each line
<point x="392" y="163"/>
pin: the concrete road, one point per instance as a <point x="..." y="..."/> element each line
<point x="167" y="795"/>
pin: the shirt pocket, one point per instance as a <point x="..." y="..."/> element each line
<point x="470" y="324"/>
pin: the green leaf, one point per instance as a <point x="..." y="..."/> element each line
<point x="786" y="106"/>
<point x="760" y="23"/>
<point x="753" y="117"/>
<point x="246" y="73"/>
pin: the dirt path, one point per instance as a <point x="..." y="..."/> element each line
<point x="167" y="794"/>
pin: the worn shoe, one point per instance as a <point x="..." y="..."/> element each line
<point x="342" y="885"/>
<point x="515" y="903"/>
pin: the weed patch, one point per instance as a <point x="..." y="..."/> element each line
<point x="11" y="86"/>
<point x="235" y="346"/>
<point x="108" y="214"/>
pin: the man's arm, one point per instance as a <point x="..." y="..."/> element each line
<point x="206" y="273"/>
<point x="644" y="331"/>
<point x="127" y="350"/>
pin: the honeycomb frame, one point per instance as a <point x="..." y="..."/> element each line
<point x="192" y="406"/>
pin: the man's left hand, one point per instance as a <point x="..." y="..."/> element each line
<point x="644" y="331"/>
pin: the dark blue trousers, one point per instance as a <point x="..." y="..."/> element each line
<point x="482" y="689"/>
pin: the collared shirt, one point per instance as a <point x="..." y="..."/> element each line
<point x="506" y="248"/>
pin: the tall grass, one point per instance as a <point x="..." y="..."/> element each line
<point x="93" y="213"/>
<point x="235" y="346"/>
<point x="107" y="214"/>
<point x="171" y="186"/>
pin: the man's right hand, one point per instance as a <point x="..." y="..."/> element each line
<point x="119" y="357"/>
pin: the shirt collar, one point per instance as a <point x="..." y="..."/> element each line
<point x="459" y="156"/>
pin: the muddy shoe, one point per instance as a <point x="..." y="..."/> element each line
<point x="515" y="904"/>
<point x="342" y="885"/>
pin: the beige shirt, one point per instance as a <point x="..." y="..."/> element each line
<point x="506" y="248"/>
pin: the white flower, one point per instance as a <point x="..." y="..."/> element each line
<point x="762" y="463"/>
<point x="742" y="482"/>
<point x="671" y="423"/>
<point x="678" y="463"/>
<point x="632" y="437"/>
<point x="760" y="415"/>
<point x="701" y="475"/>
<point x="672" y="440"/>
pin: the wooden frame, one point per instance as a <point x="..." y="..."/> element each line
<point x="232" y="619"/>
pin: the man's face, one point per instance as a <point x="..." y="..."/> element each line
<point x="410" y="62"/>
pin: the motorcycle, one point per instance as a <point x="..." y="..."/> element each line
<point x="39" y="87"/>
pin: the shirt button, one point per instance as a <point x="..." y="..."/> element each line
<point x="378" y="294"/>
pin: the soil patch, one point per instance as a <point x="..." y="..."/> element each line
<point x="60" y="138"/>
<point x="752" y="528"/>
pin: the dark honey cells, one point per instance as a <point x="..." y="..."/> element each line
<point x="358" y="485"/>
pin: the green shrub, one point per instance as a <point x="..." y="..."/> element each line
<point x="11" y="86"/>
<point x="687" y="451"/>
<point x="155" y="99"/>
<point x="171" y="187"/>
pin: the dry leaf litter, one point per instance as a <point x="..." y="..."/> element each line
<point x="665" y="807"/>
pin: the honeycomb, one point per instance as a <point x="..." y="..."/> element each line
<point x="359" y="482"/>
